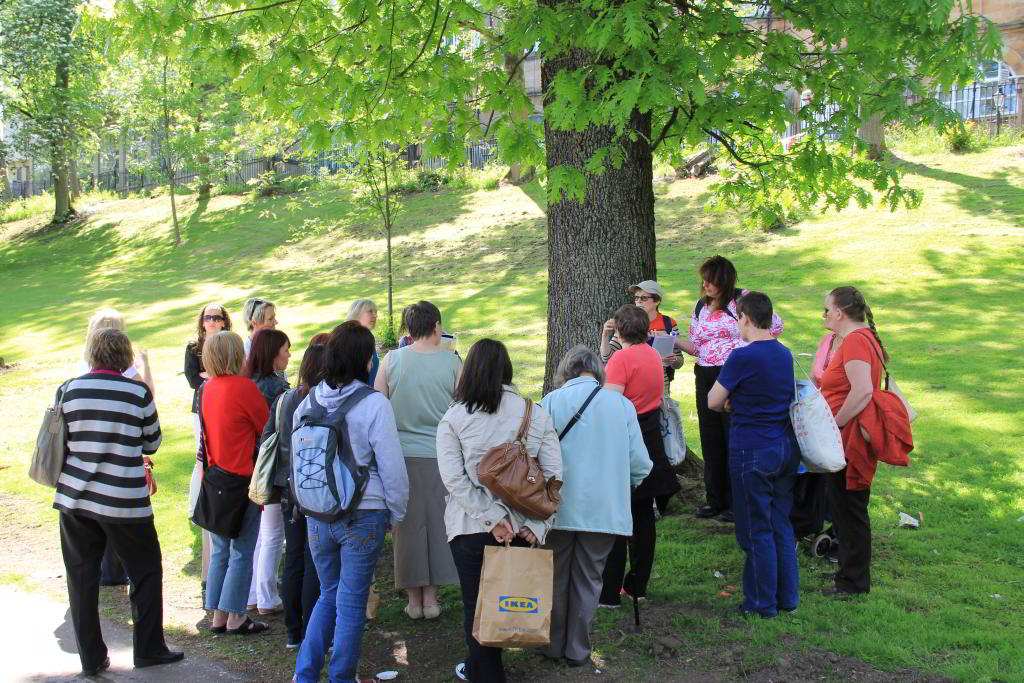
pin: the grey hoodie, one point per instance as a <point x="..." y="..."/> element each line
<point x="374" y="438"/>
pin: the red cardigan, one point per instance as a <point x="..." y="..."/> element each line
<point x="234" y="414"/>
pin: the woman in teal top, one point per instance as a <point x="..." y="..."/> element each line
<point x="420" y="381"/>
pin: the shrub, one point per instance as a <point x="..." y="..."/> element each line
<point x="965" y="138"/>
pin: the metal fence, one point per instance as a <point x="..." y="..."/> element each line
<point x="244" y="170"/>
<point x="997" y="103"/>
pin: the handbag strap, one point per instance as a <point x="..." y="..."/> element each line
<point x="58" y="404"/>
<point x="525" y="426"/>
<point x="881" y="358"/>
<point x="579" y="413"/>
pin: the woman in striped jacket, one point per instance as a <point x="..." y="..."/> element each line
<point x="103" y="498"/>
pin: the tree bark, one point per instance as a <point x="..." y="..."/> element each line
<point x="76" y="182"/>
<point x="59" y="144"/>
<point x="872" y="132"/>
<point x="597" y="248"/>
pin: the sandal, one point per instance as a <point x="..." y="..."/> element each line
<point x="248" y="628"/>
<point x="218" y="629"/>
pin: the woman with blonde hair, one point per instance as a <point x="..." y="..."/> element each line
<point x="111" y="319"/>
<point x="257" y="314"/>
<point x="233" y="414"/>
<point x="364" y="311"/>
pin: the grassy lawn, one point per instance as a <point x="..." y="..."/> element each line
<point x="943" y="282"/>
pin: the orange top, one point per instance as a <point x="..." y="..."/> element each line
<point x="884" y="418"/>
<point x="234" y="414"/>
<point x="638" y="369"/>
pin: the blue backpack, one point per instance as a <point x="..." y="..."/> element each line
<point x="326" y="482"/>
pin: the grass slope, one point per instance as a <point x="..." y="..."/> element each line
<point x="944" y="282"/>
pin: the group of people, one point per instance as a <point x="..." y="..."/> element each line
<point x="421" y="420"/>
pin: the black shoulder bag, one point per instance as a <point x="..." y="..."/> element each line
<point x="223" y="496"/>
<point x="579" y="413"/>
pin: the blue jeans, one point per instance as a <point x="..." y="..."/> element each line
<point x="762" y="490"/>
<point x="230" y="573"/>
<point x="345" y="554"/>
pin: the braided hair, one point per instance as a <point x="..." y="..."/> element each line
<point x="851" y="302"/>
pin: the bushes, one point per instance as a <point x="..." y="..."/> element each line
<point x="965" y="138"/>
<point x="960" y="138"/>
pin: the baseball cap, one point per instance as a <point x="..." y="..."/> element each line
<point x="648" y="286"/>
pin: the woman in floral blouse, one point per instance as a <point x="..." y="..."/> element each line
<point x="712" y="337"/>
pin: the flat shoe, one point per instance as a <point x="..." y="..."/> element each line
<point x="218" y="629"/>
<point x="413" y="612"/>
<point x="577" y="662"/>
<point x="272" y="610"/>
<point x="103" y="666"/>
<point x="248" y="628"/>
<point x="165" y="658"/>
<point x="431" y="611"/>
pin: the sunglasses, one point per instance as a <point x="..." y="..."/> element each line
<point x="213" y="318"/>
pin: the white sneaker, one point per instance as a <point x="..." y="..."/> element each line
<point x="460" y="671"/>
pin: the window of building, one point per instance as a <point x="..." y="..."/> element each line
<point x="996" y="86"/>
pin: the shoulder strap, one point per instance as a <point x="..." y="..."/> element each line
<point x="280" y="407"/>
<point x="579" y="413"/>
<point x="881" y="358"/>
<point x="669" y="323"/>
<point x="698" y="307"/>
<point x="525" y="426"/>
<point x="58" y="403"/>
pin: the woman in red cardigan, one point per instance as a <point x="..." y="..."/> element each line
<point x="233" y="415"/>
<point x="849" y="384"/>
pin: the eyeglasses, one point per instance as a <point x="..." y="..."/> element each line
<point x="643" y="298"/>
<point x="213" y="318"/>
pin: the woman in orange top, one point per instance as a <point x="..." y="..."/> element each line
<point x="848" y="383"/>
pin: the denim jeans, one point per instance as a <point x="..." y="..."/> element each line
<point x="230" y="573"/>
<point x="345" y="553"/>
<point x="762" y="488"/>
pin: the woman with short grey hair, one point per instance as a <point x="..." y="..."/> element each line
<point x="257" y="314"/>
<point x="603" y="456"/>
<point x="364" y="311"/>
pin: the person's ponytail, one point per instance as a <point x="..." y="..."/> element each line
<point x="871" y="323"/>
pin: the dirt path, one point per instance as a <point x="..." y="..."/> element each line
<point x="33" y="589"/>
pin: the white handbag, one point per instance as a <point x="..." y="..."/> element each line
<point x="821" y="444"/>
<point x="672" y="431"/>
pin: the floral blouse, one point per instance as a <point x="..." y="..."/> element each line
<point x="716" y="334"/>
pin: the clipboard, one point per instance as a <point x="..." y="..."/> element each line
<point x="664" y="344"/>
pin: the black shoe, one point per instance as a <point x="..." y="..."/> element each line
<point x="706" y="512"/>
<point x="749" y="614"/>
<point x="578" y="662"/>
<point x="103" y="666"/>
<point x="166" y="658"/>
<point x="726" y="517"/>
<point x="829" y="576"/>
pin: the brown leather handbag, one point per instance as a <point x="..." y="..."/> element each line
<point x="516" y="478"/>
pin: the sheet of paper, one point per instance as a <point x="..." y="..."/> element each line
<point x="664" y="344"/>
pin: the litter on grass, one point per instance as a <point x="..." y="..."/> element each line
<point x="719" y="575"/>
<point x="387" y="676"/>
<point x="908" y="522"/>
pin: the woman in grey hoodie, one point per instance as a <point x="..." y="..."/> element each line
<point x="345" y="552"/>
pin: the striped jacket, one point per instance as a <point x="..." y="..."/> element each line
<point x="111" y="422"/>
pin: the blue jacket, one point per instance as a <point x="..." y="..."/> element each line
<point x="602" y="456"/>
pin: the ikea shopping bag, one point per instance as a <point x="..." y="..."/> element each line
<point x="821" y="445"/>
<point x="513" y="608"/>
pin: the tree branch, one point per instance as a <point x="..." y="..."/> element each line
<point x="426" y="39"/>
<point x="664" y="130"/>
<point x="246" y="9"/>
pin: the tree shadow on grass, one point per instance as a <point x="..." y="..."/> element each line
<point x="1001" y="195"/>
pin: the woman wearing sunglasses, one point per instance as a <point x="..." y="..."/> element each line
<point x="647" y="295"/>
<point x="212" y="319"/>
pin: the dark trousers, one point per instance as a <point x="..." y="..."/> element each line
<point x="300" y="587"/>
<point x="82" y="540"/>
<point x="483" y="664"/>
<point x="714" y="440"/>
<point x="112" y="572"/>
<point x="579" y="562"/>
<point x="641" y="556"/>
<point x="850" y="518"/>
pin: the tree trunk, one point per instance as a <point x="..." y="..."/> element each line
<point x="872" y="132"/>
<point x="5" y="177"/>
<point x="122" y="162"/>
<point x="598" y="248"/>
<point x="76" y="182"/>
<point x="168" y="155"/>
<point x="59" y="144"/>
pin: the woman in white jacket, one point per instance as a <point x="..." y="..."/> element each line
<point x="487" y="412"/>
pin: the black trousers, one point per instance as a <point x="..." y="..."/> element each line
<point x="300" y="586"/>
<point x="714" y="440"/>
<point x="112" y="572"/>
<point x="851" y="521"/>
<point x="82" y="540"/>
<point x="483" y="665"/>
<point x="641" y="556"/>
